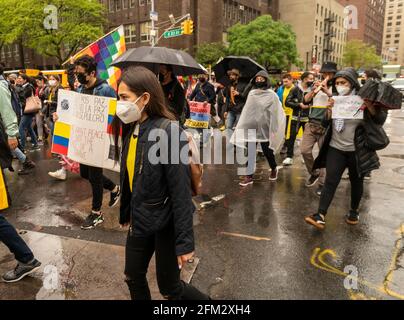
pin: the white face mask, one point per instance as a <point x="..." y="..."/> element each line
<point x="128" y="111"/>
<point x="343" y="90"/>
<point x="52" y="83"/>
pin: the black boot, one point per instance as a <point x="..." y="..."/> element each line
<point x="26" y="167"/>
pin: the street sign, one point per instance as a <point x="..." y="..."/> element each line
<point x="154" y="16"/>
<point x="173" y="33"/>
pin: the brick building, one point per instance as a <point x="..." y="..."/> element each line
<point x="211" y="20"/>
<point x="370" y="21"/>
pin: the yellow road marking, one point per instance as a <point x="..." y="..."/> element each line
<point x="238" y="235"/>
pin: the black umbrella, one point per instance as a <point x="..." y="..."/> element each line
<point x="248" y="68"/>
<point x="382" y="94"/>
<point x="152" y="57"/>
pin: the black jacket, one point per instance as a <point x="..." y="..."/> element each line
<point x="175" y="95"/>
<point x="294" y="99"/>
<point x="367" y="160"/>
<point x="161" y="192"/>
<point x="243" y="89"/>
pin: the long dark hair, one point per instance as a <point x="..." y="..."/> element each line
<point x="140" y="80"/>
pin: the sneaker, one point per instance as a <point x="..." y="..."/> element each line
<point x="92" y="221"/>
<point x="368" y="176"/>
<point x="21" y="271"/>
<point x="317" y="220"/>
<point x="222" y="128"/>
<point x="35" y="148"/>
<point x="59" y="174"/>
<point x="352" y="218"/>
<point x="115" y="196"/>
<point x="26" y="168"/>
<point x="246" y="182"/>
<point x="274" y="175"/>
<point x="312" y="180"/>
<point x="319" y="190"/>
<point x="288" y="162"/>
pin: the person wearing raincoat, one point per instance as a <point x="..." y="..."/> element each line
<point x="262" y="121"/>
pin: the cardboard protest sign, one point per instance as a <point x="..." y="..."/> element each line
<point x="83" y="131"/>
<point x="200" y="115"/>
<point x="347" y="107"/>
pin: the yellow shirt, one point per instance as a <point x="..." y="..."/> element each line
<point x="131" y="160"/>
<point x="285" y="95"/>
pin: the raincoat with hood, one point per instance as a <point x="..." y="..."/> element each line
<point x="262" y="119"/>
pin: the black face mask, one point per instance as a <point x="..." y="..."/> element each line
<point x="202" y="80"/>
<point x="310" y="83"/>
<point x="261" y="85"/>
<point x="329" y="83"/>
<point x="82" y="78"/>
<point x="363" y="81"/>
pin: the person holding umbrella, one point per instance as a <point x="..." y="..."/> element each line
<point x="236" y="96"/>
<point x="173" y="91"/>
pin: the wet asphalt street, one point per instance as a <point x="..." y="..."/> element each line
<point x="253" y="242"/>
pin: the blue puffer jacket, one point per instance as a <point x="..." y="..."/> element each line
<point x="101" y="89"/>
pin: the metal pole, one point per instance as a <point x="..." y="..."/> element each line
<point x="153" y="38"/>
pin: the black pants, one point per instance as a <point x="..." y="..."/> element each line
<point x="139" y="252"/>
<point x="98" y="183"/>
<point x="337" y="162"/>
<point x="294" y="130"/>
<point x="269" y="155"/>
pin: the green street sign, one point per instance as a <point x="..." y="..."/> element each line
<point x="173" y="33"/>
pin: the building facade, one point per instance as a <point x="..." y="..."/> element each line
<point x="366" y="21"/>
<point x="393" y="39"/>
<point x="211" y="19"/>
<point x="319" y="28"/>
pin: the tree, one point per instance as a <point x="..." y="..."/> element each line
<point x="360" y="55"/>
<point x="210" y="53"/>
<point x="271" y="43"/>
<point x="79" y="23"/>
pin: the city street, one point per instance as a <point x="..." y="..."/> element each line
<point x="251" y="243"/>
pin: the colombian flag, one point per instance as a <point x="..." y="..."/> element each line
<point x="111" y="115"/>
<point x="61" y="138"/>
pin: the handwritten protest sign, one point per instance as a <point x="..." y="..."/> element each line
<point x="83" y="131"/>
<point x="347" y="107"/>
<point x="200" y="115"/>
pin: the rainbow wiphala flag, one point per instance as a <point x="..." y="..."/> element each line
<point x="104" y="51"/>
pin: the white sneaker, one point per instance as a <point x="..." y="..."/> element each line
<point x="288" y="162"/>
<point x="60" y="174"/>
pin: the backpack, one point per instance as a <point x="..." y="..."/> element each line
<point x="196" y="169"/>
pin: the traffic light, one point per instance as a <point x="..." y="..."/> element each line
<point x="184" y="27"/>
<point x="187" y="27"/>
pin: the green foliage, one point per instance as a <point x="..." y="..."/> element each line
<point x="79" y="23"/>
<point x="360" y="55"/>
<point x="210" y="53"/>
<point x="271" y="43"/>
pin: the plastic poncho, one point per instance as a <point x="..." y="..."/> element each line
<point x="262" y="120"/>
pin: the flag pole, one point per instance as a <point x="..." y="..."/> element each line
<point x="82" y="50"/>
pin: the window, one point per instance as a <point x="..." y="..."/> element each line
<point x="132" y="3"/>
<point x="118" y="5"/>
<point x="111" y="5"/>
<point x="125" y="4"/>
<point x="315" y="39"/>
<point x="142" y="3"/>
<point x="145" y="31"/>
<point x="130" y="33"/>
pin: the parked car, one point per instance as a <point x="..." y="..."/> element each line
<point x="399" y="85"/>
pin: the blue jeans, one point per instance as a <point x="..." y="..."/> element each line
<point x="17" y="246"/>
<point x="19" y="155"/>
<point x="26" y="124"/>
<point x="232" y="120"/>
